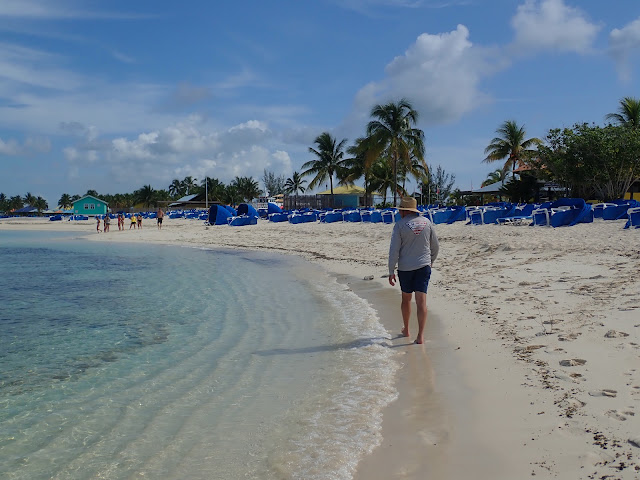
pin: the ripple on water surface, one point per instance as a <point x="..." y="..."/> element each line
<point x="121" y="361"/>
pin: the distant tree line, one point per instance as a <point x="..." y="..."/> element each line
<point x="17" y="202"/>
<point x="587" y="160"/>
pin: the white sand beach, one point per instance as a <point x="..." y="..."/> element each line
<point x="532" y="360"/>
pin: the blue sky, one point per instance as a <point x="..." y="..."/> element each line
<point x="112" y="95"/>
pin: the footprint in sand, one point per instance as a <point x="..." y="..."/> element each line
<point x="574" y="362"/>
<point x="604" y="393"/>
<point x="616" y="415"/>
<point x="568" y="337"/>
<point x="615" y="334"/>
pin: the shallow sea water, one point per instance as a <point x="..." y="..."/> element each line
<point x="164" y="362"/>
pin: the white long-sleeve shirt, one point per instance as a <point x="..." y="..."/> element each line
<point x="414" y="244"/>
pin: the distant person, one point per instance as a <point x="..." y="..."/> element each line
<point x="133" y="222"/>
<point x="414" y="247"/>
<point x="160" y="216"/>
<point x="107" y="223"/>
<point x="120" y="221"/>
<point x="98" y="223"/>
<point x="139" y="221"/>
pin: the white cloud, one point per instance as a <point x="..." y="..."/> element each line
<point x="122" y="57"/>
<point x="10" y="147"/>
<point x="623" y="43"/>
<point x="438" y="74"/>
<point x="191" y="147"/>
<point x="23" y="67"/>
<point x="550" y="24"/>
<point x="31" y="145"/>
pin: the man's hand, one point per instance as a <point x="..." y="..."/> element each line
<point x="392" y="279"/>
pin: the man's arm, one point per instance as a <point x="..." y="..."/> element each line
<point x="394" y="251"/>
<point x="434" y="244"/>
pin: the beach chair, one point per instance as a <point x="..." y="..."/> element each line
<point x="278" y="217"/>
<point x="331" y="217"/>
<point x="242" y="220"/>
<point x="563" y="212"/>
<point x="475" y="216"/>
<point x="218" y="215"/>
<point x="634" y="218"/>
<point x="388" y="216"/>
<point x="352" y="216"/>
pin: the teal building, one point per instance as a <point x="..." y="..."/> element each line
<point x="89" y="205"/>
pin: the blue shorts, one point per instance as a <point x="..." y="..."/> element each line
<point x="415" y="280"/>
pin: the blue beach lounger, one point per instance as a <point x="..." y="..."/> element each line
<point x="218" y="215"/>
<point x="563" y="212"/>
<point x="634" y="218"/>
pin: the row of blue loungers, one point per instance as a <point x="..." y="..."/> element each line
<point x="562" y="212"/>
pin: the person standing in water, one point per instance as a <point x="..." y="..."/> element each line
<point x="414" y="247"/>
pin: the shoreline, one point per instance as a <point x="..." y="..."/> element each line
<point x="532" y="343"/>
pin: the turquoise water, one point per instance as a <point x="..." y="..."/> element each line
<point x="137" y="361"/>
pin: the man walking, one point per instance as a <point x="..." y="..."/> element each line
<point x="414" y="247"/>
<point x="159" y="217"/>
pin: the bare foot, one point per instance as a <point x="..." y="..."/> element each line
<point x="419" y="341"/>
<point x="405" y="332"/>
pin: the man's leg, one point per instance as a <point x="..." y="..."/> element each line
<point x="421" y="304"/>
<point x="406" y="312"/>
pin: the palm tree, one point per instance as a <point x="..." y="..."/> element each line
<point x="146" y="195"/>
<point x="30" y="199"/>
<point x="247" y="188"/>
<point x="510" y="144"/>
<point x="189" y="184"/>
<point x="65" y="201"/>
<point x="214" y="188"/>
<point x="231" y="196"/>
<point x="628" y="113"/>
<point x="493" y="177"/>
<point x="329" y="159"/>
<point x="41" y="204"/>
<point x="358" y="165"/>
<point x="175" y="189"/>
<point x="415" y="168"/>
<point x="294" y="184"/>
<point x="15" y="202"/>
<point x="381" y="177"/>
<point x="393" y="131"/>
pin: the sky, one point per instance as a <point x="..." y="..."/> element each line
<point x="112" y="95"/>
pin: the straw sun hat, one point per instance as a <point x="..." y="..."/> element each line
<point x="410" y="204"/>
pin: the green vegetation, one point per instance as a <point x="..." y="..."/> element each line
<point x="294" y="184"/>
<point x="588" y="160"/>
<point x="511" y="144"/>
<point x="329" y="160"/>
<point x="16" y="202"/>
<point x="391" y="135"/>
<point x="591" y="161"/>
<point x="392" y="151"/>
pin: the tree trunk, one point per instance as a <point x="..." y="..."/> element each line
<point x="332" y="198"/>
<point x="395" y="179"/>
